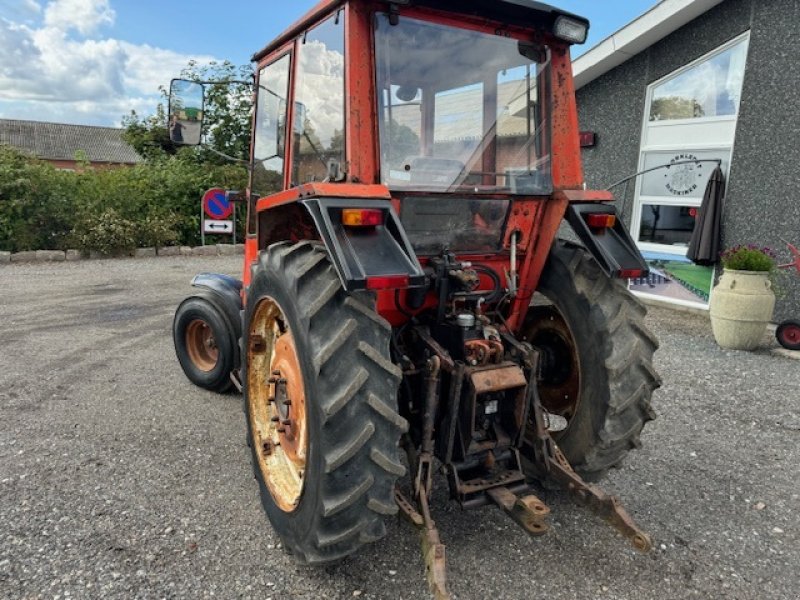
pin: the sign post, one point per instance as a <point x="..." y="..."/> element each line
<point x="218" y="215"/>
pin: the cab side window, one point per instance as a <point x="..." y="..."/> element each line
<point x="270" y="132"/>
<point x="319" y="103"/>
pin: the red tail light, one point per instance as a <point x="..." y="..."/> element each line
<point x="601" y="220"/>
<point x="362" y="217"/>
<point x="387" y="282"/>
<point x="630" y="273"/>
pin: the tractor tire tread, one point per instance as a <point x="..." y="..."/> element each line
<point x="356" y="392"/>
<point x="627" y="347"/>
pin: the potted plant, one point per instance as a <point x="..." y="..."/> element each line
<point x="743" y="301"/>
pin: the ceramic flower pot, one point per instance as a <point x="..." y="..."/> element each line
<point x="741" y="307"/>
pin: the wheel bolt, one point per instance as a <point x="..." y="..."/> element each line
<point x="281" y="429"/>
<point x="276" y="372"/>
<point x="287" y="422"/>
<point x="287" y="402"/>
<point x="275" y="419"/>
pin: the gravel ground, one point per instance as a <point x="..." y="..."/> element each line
<point x="120" y="479"/>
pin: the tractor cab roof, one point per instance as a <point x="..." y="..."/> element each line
<point x="523" y="13"/>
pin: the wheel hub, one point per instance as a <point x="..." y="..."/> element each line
<point x="559" y="388"/>
<point x="201" y="345"/>
<point x="276" y="404"/>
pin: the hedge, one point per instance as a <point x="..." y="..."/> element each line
<point x="109" y="211"/>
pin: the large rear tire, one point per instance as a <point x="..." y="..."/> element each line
<point x="327" y="480"/>
<point x="598" y="360"/>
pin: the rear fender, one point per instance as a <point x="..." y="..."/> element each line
<point x="613" y="248"/>
<point x="370" y="258"/>
<point x="223" y="293"/>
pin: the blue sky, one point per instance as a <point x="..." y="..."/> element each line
<point x="92" y="61"/>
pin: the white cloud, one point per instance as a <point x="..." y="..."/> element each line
<point x="84" y="16"/>
<point x="19" y="10"/>
<point x="322" y="89"/>
<point x="50" y="70"/>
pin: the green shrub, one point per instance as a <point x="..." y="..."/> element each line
<point x="106" y="210"/>
<point x="156" y="231"/>
<point x="108" y="234"/>
<point x="749" y="258"/>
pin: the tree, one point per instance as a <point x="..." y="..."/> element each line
<point x="227" y="116"/>
<point x="228" y="108"/>
<point x="675" y="107"/>
<point x="149" y="135"/>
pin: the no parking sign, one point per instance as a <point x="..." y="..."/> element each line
<point x="216" y="213"/>
<point x="216" y="205"/>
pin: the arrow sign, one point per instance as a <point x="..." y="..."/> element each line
<point x="216" y="205"/>
<point x="225" y="227"/>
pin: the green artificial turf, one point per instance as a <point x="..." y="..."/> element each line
<point x="696" y="276"/>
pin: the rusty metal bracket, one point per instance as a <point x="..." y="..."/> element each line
<point x="433" y="551"/>
<point x="528" y="512"/>
<point x="553" y="465"/>
<point x="599" y="502"/>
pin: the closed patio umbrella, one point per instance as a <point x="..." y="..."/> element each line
<point x="704" y="245"/>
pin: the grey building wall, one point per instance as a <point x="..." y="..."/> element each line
<point x="763" y="200"/>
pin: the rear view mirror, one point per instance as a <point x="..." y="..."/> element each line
<point x="186" y="104"/>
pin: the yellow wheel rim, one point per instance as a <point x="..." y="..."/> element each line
<point x="276" y="405"/>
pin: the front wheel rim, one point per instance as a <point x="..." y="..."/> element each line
<point x="201" y="345"/>
<point x="276" y="404"/>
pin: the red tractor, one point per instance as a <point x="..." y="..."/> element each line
<point x="404" y="286"/>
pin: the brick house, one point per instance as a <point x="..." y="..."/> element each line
<point x="59" y="143"/>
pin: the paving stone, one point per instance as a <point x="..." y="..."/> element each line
<point x="204" y="250"/>
<point x="73" y="255"/>
<point x="5" y="257"/>
<point x="26" y="256"/>
<point x="144" y="252"/>
<point x="169" y="251"/>
<point x="226" y="249"/>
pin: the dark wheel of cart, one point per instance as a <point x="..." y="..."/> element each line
<point x="597" y="359"/>
<point x="788" y="335"/>
<point x="204" y="344"/>
<point x="320" y="395"/>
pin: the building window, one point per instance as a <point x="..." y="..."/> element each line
<point x="711" y="87"/>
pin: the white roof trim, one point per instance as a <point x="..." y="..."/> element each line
<point x="664" y="18"/>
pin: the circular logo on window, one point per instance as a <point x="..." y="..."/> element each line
<point x="683" y="176"/>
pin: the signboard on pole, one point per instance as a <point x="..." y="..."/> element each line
<point x="217" y="214"/>
<point x="218" y="227"/>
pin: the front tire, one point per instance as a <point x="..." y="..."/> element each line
<point x="203" y="344"/>
<point x="598" y="360"/>
<point x="328" y="487"/>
